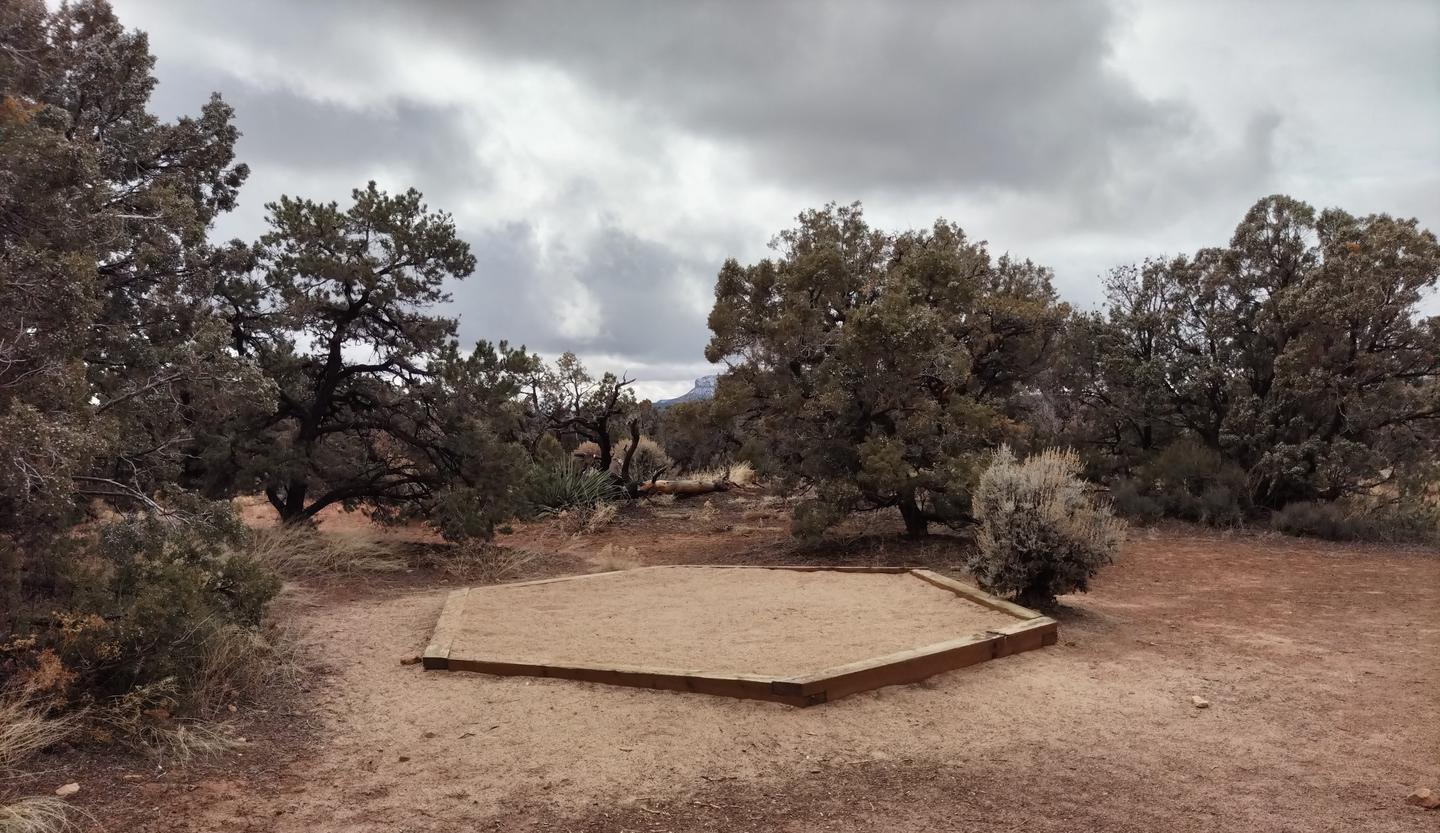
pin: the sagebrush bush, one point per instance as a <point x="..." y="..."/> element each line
<point x="649" y="460"/>
<point x="1390" y="523"/>
<point x="1041" y="532"/>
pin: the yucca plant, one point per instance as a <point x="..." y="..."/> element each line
<point x="550" y="490"/>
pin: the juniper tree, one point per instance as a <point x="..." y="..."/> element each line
<point x="375" y="405"/>
<point x="879" y="368"/>
<point x="1297" y="352"/>
<point x="111" y="352"/>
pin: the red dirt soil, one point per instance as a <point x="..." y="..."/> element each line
<point x="1319" y="662"/>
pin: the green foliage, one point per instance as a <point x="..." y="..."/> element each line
<point x="379" y="408"/>
<point x="879" y="368"/>
<point x="113" y="370"/>
<point x="1041" y="532"/>
<point x="1403" y="522"/>
<point x="145" y="603"/>
<point x="563" y="399"/>
<point x="696" y="437"/>
<point x="552" y="489"/>
<point x="1197" y="484"/>
<point x="1298" y="352"/>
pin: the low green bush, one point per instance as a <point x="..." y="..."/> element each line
<point x="149" y="601"/>
<point x="1390" y="523"/>
<point x="1188" y="481"/>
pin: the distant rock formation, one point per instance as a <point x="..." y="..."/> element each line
<point x="704" y="389"/>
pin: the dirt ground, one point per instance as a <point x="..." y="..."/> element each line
<point x="1319" y="662"/>
<point x="714" y="620"/>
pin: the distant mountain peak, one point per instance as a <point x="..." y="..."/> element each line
<point x="704" y="389"/>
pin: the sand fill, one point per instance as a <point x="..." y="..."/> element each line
<point x="717" y="620"/>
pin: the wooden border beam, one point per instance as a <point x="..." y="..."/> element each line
<point x="1030" y="631"/>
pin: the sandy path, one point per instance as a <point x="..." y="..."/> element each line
<point x="771" y="622"/>
<point x="1320" y="665"/>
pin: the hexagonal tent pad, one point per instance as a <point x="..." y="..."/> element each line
<point x="795" y="635"/>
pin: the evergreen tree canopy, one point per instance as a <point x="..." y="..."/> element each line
<point x="1297" y="352"/>
<point x="375" y="404"/>
<point x="879" y="368"/>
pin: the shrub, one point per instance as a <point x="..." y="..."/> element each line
<point x="1406" y="522"/>
<point x="148" y="599"/>
<point x="587" y="454"/>
<point x="550" y="490"/>
<point x="650" y="459"/>
<point x="1188" y="481"/>
<point x="1041" y="532"/>
<point x="1128" y="497"/>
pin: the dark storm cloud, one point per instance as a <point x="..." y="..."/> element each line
<point x="853" y="97"/>
<point x="1011" y="95"/>
<point x="639" y="291"/>
<point x="284" y="133"/>
<point x="603" y="158"/>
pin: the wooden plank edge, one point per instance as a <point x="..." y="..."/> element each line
<point x="437" y="653"/>
<point x="801" y="568"/>
<point x="906" y="666"/>
<point x="553" y="580"/>
<point x="975" y="594"/>
<point x="742" y="686"/>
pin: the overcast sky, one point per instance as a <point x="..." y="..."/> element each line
<point x="604" y="159"/>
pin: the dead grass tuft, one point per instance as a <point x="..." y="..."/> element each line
<point x="144" y="715"/>
<point x="612" y="558"/>
<point x="738" y="474"/>
<point x="245" y="663"/>
<point x="25" y="729"/>
<point x="303" y="552"/>
<point x="37" y="815"/>
<point x="475" y="562"/>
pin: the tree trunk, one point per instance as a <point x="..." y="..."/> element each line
<point x="915" y="524"/>
<point x="291" y="505"/>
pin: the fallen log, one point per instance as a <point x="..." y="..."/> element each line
<point x="684" y="488"/>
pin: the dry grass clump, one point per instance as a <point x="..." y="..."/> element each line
<point x="145" y="716"/>
<point x="25" y="729"/>
<point x="612" y="558"/>
<point x="483" y="563"/>
<point x="738" y="474"/>
<point x="244" y="663"/>
<point x="40" y="814"/>
<point x="598" y="517"/>
<point x="303" y="552"/>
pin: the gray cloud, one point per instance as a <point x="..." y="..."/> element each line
<point x="603" y="159"/>
<point x="641" y="293"/>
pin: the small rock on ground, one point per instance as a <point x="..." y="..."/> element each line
<point x="1424" y="797"/>
<point x="1199" y="702"/>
